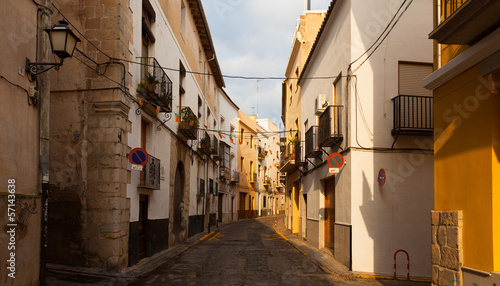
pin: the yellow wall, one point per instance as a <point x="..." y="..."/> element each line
<point x="249" y="153"/>
<point x="465" y="162"/>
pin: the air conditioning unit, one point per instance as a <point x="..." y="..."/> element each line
<point x="320" y="104"/>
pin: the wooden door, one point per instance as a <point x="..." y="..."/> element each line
<point x="329" y="213"/>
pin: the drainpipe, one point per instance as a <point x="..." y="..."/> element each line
<point x="43" y="82"/>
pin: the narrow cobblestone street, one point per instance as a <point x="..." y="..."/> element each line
<point x="249" y="252"/>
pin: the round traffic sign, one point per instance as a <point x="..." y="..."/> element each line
<point x="138" y="156"/>
<point x="335" y="160"/>
<point x="381" y="177"/>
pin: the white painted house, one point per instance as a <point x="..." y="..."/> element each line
<point x="372" y="110"/>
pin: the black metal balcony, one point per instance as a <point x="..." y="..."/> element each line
<point x="150" y="175"/>
<point x="253" y="178"/>
<point x="205" y="144"/>
<point x="311" y="147"/>
<point x="215" y="148"/>
<point x="413" y="115"/>
<point x="156" y="87"/>
<point x="188" y="124"/>
<point x="330" y="126"/>
<point x="225" y="174"/>
<point x="464" y="22"/>
<point x="235" y="178"/>
<point x="299" y="154"/>
<point x="288" y="157"/>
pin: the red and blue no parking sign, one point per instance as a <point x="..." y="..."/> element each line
<point x="138" y="156"/>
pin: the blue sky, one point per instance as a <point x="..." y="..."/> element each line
<point x="254" y="38"/>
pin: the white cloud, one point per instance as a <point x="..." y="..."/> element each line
<point x="253" y="38"/>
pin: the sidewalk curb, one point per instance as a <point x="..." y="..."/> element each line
<point x="142" y="268"/>
<point x="347" y="275"/>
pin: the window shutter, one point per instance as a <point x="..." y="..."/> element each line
<point x="411" y="77"/>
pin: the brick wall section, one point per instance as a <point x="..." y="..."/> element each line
<point x="447" y="252"/>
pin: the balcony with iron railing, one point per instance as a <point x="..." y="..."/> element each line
<point x="235" y="178"/>
<point x="267" y="181"/>
<point x="156" y="86"/>
<point x="311" y="147"/>
<point x="288" y="158"/>
<point x="216" y="152"/>
<point x="413" y="115"/>
<point x="299" y="154"/>
<point x="260" y="153"/>
<point x="225" y="174"/>
<point x="253" y="178"/>
<point x="150" y="174"/>
<point x="188" y="125"/>
<point x="464" y="22"/>
<point x="205" y="144"/>
<point x="330" y="126"/>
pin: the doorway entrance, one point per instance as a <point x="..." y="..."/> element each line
<point x="329" y="213"/>
<point x="178" y="203"/>
<point x="143" y="226"/>
<point x="221" y="196"/>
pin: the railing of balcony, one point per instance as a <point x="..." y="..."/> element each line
<point x="215" y="148"/>
<point x="150" y="175"/>
<point x="289" y="154"/>
<point x="413" y="115"/>
<point x="188" y="124"/>
<point x="311" y="147"/>
<point x="448" y="7"/>
<point x="235" y="178"/>
<point x="157" y="86"/>
<point x="330" y="126"/>
<point x="299" y="154"/>
<point x="205" y="143"/>
<point x="253" y="177"/>
<point x="225" y="173"/>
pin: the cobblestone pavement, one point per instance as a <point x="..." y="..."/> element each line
<point x="248" y="252"/>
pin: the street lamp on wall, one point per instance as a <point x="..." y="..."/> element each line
<point x="63" y="43"/>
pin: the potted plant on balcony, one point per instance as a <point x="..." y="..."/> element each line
<point x="294" y="141"/>
<point x="149" y="83"/>
<point x="188" y="119"/>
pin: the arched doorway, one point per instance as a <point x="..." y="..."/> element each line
<point x="178" y="201"/>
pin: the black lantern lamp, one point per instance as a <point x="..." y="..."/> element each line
<point x="63" y="43"/>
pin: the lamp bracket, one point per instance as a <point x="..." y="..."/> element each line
<point x="39" y="68"/>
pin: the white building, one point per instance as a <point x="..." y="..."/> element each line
<point x="269" y="198"/>
<point x="228" y="190"/>
<point x="370" y="111"/>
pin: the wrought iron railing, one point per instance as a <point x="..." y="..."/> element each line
<point x="253" y="177"/>
<point x="215" y="148"/>
<point x="150" y="175"/>
<point x="311" y="146"/>
<point x="158" y="89"/>
<point x="330" y="126"/>
<point x="289" y="155"/>
<point x="299" y="154"/>
<point x="235" y="178"/>
<point x="413" y="115"/>
<point x="225" y="173"/>
<point x="188" y="124"/>
<point x="448" y="7"/>
<point x="205" y="143"/>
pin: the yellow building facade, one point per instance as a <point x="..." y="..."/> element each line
<point x="247" y="166"/>
<point x="305" y="34"/>
<point x="465" y="220"/>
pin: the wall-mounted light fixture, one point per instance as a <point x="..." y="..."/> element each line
<point x="63" y="43"/>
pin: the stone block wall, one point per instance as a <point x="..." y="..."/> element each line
<point x="447" y="251"/>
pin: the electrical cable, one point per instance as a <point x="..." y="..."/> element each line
<point x="387" y="34"/>
<point x="35" y="101"/>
